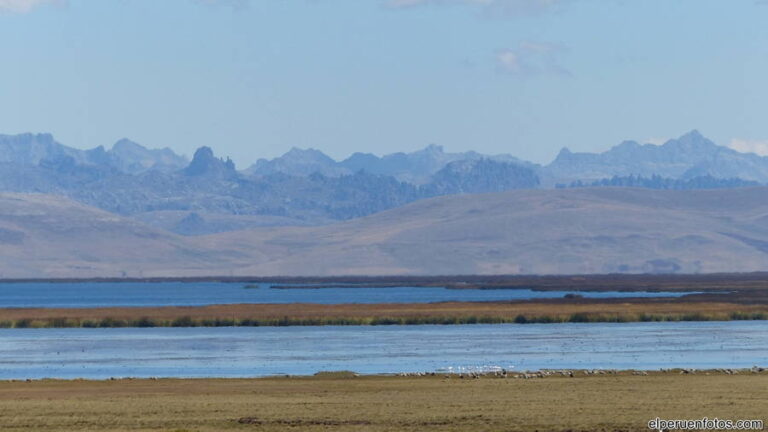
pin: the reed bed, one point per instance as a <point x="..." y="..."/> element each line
<point x="579" y="310"/>
<point x="188" y="321"/>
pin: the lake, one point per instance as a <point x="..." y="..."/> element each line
<point x="127" y="294"/>
<point x="264" y="351"/>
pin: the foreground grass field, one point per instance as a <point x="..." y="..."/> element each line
<point x="622" y="402"/>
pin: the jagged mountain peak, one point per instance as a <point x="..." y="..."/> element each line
<point x="298" y="161"/>
<point x="693" y="134"/>
<point x="432" y="149"/>
<point x="97" y="150"/>
<point x="307" y="154"/>
<point x="692" y="141"/>
<point x="300" y="151"/>
<point x="30" y="149"/>
<point x="43" y="137"/>
<point x="202" y="154"/>
<point x="204" y="163"/>
<point x="677" y="158"/>
<point x="125" y="144"/>
<point x="132" y="157"/>
<point x="628" y="144"/>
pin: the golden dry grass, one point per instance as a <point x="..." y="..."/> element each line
<point x="585" y="403"/>
<point x="272" y="314"/>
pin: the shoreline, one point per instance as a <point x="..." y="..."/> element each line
<point x="700" y="307"/>
<point x="489" y="373"/>
<point x="589" y="282"/>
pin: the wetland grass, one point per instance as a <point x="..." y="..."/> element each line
<point x="189" y="321"/>
<point x="752" y="305"/>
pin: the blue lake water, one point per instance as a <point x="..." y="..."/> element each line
<point x="125" y="294"/>
<point x="262" y="351"/>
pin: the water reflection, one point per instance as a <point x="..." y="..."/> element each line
<point x="247" y="351"/>
<point x="125" y="294"/>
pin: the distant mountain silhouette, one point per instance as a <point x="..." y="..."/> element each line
<point x="306" y="187"/>
<point x="127" y="180"/>
<point x="299" y="162"/>
<point x="416" y="167"/>
<point x="125" y="156"/>
<point x="691" y="155"/>
<point x="134" y="158"/>
<point x="205" y="164"/>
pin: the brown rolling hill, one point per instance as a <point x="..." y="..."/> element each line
<point x="50" y="236"/>
<point x="600" y="230"/>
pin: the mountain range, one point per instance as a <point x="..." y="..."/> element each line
<point x="125" y="155"/>
<point x="691" y="155"/>
<point x="416" y="167"/>
<point x="306" y="187"/>
<point x="687" y="206"/>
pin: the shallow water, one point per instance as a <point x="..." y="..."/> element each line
<point x="126" y="294"/>
<point x="262" y="351"/>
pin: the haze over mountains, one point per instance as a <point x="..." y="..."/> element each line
<point x="416" y="167"/>
<point x="140" y="212"/>
<point x="125" y="155"/>
<point x="306" y="187"/>
<point x="691" y="155"/>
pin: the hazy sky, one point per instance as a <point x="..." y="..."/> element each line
<point x="254" y="78"/>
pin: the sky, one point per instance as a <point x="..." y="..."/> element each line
<point x="254" y="78"/>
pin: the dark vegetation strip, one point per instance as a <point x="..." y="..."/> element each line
<point x="186" y="321"/>
<point x="596" y="282"/>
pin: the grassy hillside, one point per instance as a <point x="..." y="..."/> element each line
<point x="47" y="236"/>
<point x="601" y="230"/>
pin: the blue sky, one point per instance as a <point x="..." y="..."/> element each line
<point x="254" y="78"/>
